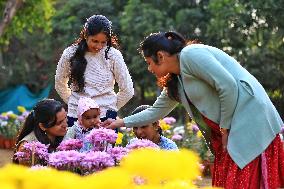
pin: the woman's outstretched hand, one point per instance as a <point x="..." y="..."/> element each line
<point x="112" y="123"/>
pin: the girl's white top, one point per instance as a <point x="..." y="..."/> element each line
<point x="100" y="77"/>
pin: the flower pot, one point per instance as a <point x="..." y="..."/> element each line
<point x="1" y="142"/>
<point x="9" y="143"/>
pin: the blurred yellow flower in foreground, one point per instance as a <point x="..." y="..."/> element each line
<point x="158" y="166"/>
<point x="154" y="169"/>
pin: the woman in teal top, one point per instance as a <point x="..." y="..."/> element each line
<point x="239" y="122"/>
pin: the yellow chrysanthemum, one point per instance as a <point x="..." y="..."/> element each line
<point x="148" y="187"/>
<point x="12" y="115"/>
<point x="119" y="138"/>
<point x="155" y="168"/>
<point x="44" y="177"/>
<point x="114" y="177"/>
<point x="199" y="134"/>
<point x="131" y="134"/>
<point x="176" y="171"/>
<point x="179" y="184"/>
<point x="8" y="186"/>
<point x="30" y="179"/>
<point x="21" y="109"/>
<point x="4" y="114"/>
<point x="164" y="126"/>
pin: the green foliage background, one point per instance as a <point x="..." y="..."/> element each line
<point x="251" y="31"/>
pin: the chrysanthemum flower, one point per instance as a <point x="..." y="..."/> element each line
<point x="65" y="160"/>
<point x="96" y="161"/>
<point x="102" y="134"/>
<point x="70" y="144"/>
<point x="118" y="153"/>
<point x="170" y="120"/>
<point x="176" y="137"/>
<point x="141" y="143"/>
<point x="164" y="126"/>
<point x="119" y="138"/>
<point x="155" y="168"/>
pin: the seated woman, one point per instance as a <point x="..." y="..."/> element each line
<point x="153" y="132"/>
<point x="46" y="123"/>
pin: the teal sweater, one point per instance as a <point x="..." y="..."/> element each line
<point x="226" y="93"/>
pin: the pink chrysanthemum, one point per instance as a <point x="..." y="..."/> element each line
<point x="96" y="161"/>
<point x="176" y="137"/>
<point x="170" y="120"/>
<point x="141" y="143"/>
<point x="70" y="144"/>
<point x="65" y="160"/>
<point x="101" y="138"/>
<point x="117" y="153"/>
<point x="40" y="150"/>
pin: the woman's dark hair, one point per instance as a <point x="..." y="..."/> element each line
<point x="94" y="25"/>
<point x="44" y="112"/>
<point x="144" y="107"/>
<point x="171" y="42"/>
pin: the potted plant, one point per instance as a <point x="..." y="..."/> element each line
<point x="10" y="124"/>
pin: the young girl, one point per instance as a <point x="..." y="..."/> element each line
<point x="152" y="132"/>
<point x="46" y="123"/>
<point x="88" y="119"/>
<point x="93" y="66"/>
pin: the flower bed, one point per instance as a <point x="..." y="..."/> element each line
<point x="97" y="151"/>
<point x="141" y="169"/>
<point x="185" y="136"/>
<point x="10" y="125"/>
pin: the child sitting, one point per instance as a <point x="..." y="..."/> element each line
<point x="88" y="118"/>
<point x="152" y="132"/>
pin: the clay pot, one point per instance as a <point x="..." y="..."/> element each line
<point x="9" y="143"/>
<point x="1" y="142"/>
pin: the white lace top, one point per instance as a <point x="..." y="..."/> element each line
<point x="100" y="77"/>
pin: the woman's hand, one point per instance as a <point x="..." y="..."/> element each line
<point x="225" y="134"/>
<point x="113" y="124"/>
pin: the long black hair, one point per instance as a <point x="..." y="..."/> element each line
<point x="144" y="107"/>
<point x="171" y="42"/>
<point x="94" y="25"/>
<point x="45" y="113"/>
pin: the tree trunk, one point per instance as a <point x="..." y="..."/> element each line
<point x="9" y="12"/>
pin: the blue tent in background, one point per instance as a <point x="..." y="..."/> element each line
<point x="11" y="98"/>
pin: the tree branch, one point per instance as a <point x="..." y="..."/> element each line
<point x="9" y="12"/>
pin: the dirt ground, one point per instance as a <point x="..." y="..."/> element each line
<point x="5" y="157"/>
